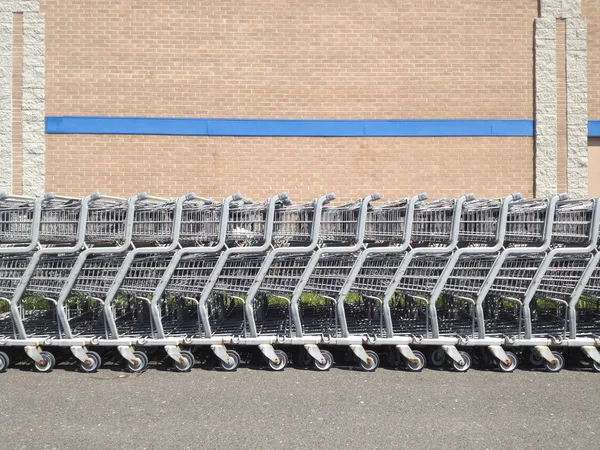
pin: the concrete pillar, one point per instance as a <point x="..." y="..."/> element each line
<point x="34" y="171"/>
<point x="576" y="89"/>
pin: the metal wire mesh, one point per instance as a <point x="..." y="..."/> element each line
<point x="340" y="223"/>
<point x="16" y="217"/>
<point x="50" y="275"/>
<point x="12" y="269"/>
<point x="153" y="222"/>
<point x="191" y="275"/>
<point x="294" y="222"/>
<point x="200" y="222"/>
<point x="284" y="274"/>
<point x="106" y="221"/>
<point x="563" y="275"/>
<point x="59" y="221"/>
<point x="97" y="275"/>
<point x="386" y="222"/>
<point x="331" y="272"/>
<point x="238" y="274"/>
<point x="479" y="221"/>
<point x="433" y="221"/>
<point x="572" y="222"/>
<point x="144" y="274"/>
<point x="592" y="288"/>
<point x="247" y="221"/>
<point x="422" y="274"/>
<point x="516" y="275"/>
<point x="376" y="273"/>
<point x="525" y="221"/>
<point x="468" y="275"/>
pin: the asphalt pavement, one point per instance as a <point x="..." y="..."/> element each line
<point x="254" y="408"/>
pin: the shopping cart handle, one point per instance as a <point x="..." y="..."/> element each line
<point x="423" y="196"/>
<point x="141" y="196"/>
<point x="190" y="196"/>
<point x="563" y="196"/>
<point x="375" y="196"/>
<point x="330" y="197"/>
<point x="470" y="197"/>
<point x="3" y="195"/>
<point x="95" y="196"/>
<point x="236" y="197"/>
<point x="284" y="197"/>
<point x="48" y="196"/>
<point x="517" y="196"/>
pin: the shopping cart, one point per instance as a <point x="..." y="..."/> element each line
<point x="458" y="280"/>
<point x="499" y="305"/>
<point x="451" y="301"/>
<point x="155" y="231"/>
<point x="267" y="281"/>
<point x="211" y="280"/>
<point x="409" y="298"/>
<point x="342" y="232"/>
<point x="551" y="306"/>
<point x="60" y="231"/>
<point x="80" y="304"/>
<point x="389" y="231"/>
<point x="19" y="228"/>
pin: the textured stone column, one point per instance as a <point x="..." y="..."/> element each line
<point x="19" y="5"/>
<point x="551" y="8"/>
<point x="6" y="117"/>
<point x="33" y="104"/>
<point x="545" y="107"/>
<point x="577" y="112"/>
<point x="576" y="89"/>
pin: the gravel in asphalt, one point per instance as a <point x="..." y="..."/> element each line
<point x="254" y="408"/>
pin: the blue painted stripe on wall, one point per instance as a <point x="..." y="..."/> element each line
<point x="267" y="127"/>
<point x="594" y="128"/>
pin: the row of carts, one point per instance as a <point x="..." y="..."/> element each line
<point x="411" y="282"/>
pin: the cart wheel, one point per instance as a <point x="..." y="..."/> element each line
<point x="437" y="357"/>
<point x="235" y="361"/>
<point x="283" y="360"/>
<point x="535" y="359"/>
<point x="4" y="361"/>
<point x="596" y="366"/>
<point x="374" y="363"/>
<point x="514" y="362"/>
<point x="94" y="365"/>
<point x="49" y="362"/>
<point x="555" y="368"/>
<point x="143" y="365"/>
<point x="328" y="357"/>
<point x="417" y="366"/>
<point x="188" y="364"/>
<point x="467" y="358"/>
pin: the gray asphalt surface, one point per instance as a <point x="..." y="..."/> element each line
<point x="254" y="408"/>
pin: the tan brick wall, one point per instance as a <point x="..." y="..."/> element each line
<point x="290" y="59"/>
<point x="591" y="12"/>
<point x="305" y="167"/>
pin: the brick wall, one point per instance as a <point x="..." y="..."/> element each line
<point x="305" y="167"/>
<point x="290" y="59"/>
<point x="297" y="59"/>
